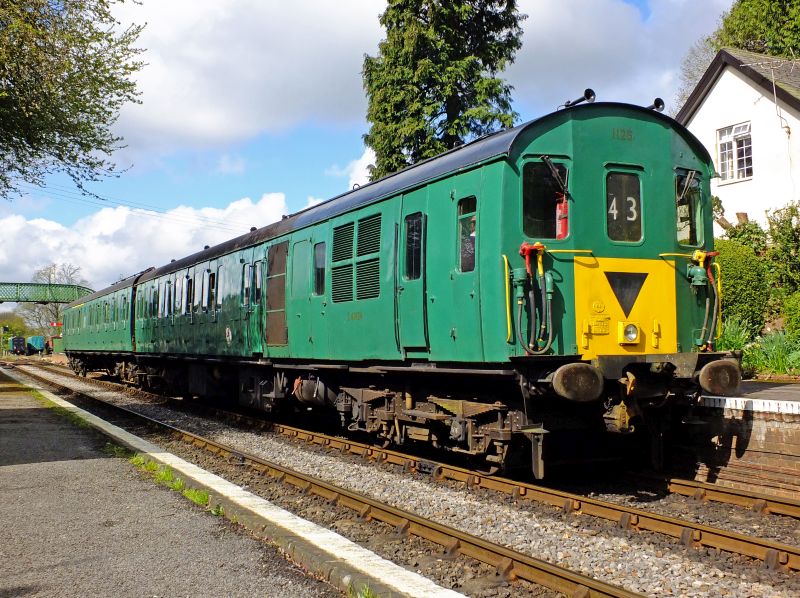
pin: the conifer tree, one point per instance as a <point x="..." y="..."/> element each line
<point x="435" y="81"/>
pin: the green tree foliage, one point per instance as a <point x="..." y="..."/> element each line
<point x="65" y="71"/>
<point x="745" y="287"/>
<point x="784" y="247"/>
<point x="434" y="83"/>
<point x="38" y="317"/>
<point x="791" y="311"/>
<point x="764" y="26"/>
<point x="16" y="326"/>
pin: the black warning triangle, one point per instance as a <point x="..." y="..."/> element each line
<point x="626" y="286"/>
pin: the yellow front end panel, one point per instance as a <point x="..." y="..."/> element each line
<point x="624" y="306"/>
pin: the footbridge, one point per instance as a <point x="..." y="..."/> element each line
<point x="43" y="293"/>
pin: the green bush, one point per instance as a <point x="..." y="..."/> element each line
<point x="791" y="313"/>
<point x="749" y="234"/>
<point x="774" y="353"/>
<point x="745" y="287"/>
<point x="784" y="249"/>
<point x="735" y="334"/>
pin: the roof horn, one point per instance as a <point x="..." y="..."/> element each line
<point x="588" y="96"/>
<point x="657" y="105"/>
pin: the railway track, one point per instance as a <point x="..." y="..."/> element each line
<point x="774" y="554"/>
<point x="509" y="564"/>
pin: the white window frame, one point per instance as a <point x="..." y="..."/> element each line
<point x="735" y="153"/>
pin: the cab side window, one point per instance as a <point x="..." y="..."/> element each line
<point x="689" y="208"/>
<point x="544" y="202"/>
<point x="467" y="233"/>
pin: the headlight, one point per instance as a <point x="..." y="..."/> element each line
<point x="628" y="333"/>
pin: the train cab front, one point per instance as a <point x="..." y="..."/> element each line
<point x="634" y="322"/>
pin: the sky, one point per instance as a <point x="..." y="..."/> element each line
<point x="252" y="109"/>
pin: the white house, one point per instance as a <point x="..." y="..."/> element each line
<point x="746" y="111"/>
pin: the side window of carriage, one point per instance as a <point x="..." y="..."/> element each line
<point x="414" y="235"/>
<point x="688" y="208"/>
<point x="545" y="208"/>
<point x="319" y="268"/>
<point x="467" y="233"/>
<point x="624" y="207"/>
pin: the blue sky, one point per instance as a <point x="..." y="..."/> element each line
<point x="254" y="108"/>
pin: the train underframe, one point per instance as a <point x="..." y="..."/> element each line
<point x="502" y="418"/>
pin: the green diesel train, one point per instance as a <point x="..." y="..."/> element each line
<point x="557" y="277"/>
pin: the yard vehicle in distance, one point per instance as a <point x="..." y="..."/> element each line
<point x="16" y="345"/>
<point x="35" y="345"/>
<point x="511" y="299"/>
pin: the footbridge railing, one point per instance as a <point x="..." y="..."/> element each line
<point x="35" y="292"/>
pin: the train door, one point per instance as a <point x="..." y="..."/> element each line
<point x="258" y="292"/>
<point x="411" y="291"/>
<point x="300" y="298"/>
<point x="275" y="308"/>
<point x="464" y="329"/>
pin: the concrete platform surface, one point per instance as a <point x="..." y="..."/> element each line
<point x="770" y="391"/>
<point x="78" y="522"/>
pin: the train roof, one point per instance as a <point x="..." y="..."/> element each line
<point x="483" y="149"/>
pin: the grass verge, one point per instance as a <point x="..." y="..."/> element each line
<point x="164" y="476"/>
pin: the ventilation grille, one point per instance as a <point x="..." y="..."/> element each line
<point x="368" y="279"/>
<point x="342" y="243"/>
<point x="342" y="283"/>
<point x="369" y="235"/>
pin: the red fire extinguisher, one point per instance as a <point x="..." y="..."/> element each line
<point x="562" y="216"/>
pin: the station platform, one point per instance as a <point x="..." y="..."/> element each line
<point x="79" y="521"/>
<point x="772" y="391"/>
<point x="760" y="397"/>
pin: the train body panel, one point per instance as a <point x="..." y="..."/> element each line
<point x="576" y="247"/>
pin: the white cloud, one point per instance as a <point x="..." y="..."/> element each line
<point x="569" y="45"/>
<point x="116" y="242"/>
<point x="224" y="71"/>
<point x="357" y="171"/>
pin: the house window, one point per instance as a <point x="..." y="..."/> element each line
<point x="735" y="152"/>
